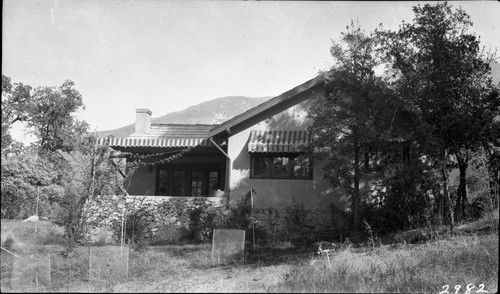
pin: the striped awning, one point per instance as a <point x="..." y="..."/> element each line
<point x="277" y="141"/>
<point x="154" y="142"/>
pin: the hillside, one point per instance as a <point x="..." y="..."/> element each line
<point x="219" y="110"/>
<point x="210" y="112"/>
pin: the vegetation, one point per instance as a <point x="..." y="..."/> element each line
<point x="435" y="109"/>
<point x="425" y="268"/>
<point x="469" y="256"/>
<point x="442" y="74"/>
<point x="417" y="147"/>
<point x="350" y="119"/>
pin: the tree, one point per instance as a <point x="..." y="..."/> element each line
<point x="51" y="120"/>
<point x="87" y="171"/>
<point x="24" y="175"/>
<point x="351" y="119"/>
<point x="491" y="149"/>
<point x="15" y="101"/>
<point x="47" y="111"/>
<point x="442" y="72"/>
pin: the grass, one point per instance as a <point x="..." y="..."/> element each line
<point x="459" y="260"/>
<point x="469" y="256"/>
<point x="24" y="232"/>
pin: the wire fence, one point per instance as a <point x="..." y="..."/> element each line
<point x="229" y="245"/>
<point x="40" y="268"/>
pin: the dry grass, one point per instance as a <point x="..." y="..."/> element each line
<point x="469" y="257"/>
<point x="462" y="259"/>
<point x="24" y="232"/>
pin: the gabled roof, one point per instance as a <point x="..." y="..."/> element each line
<point x="275" y="104"/>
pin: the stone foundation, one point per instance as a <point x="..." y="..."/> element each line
<point x="156" y="212"/>
<point x="273" y="220"/>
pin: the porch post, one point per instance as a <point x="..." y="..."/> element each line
<point x="228" y="170"/>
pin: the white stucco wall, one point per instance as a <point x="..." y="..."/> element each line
<point x="316" y="194"/>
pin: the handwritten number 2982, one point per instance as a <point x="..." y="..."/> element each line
<point x="468" y="289"/>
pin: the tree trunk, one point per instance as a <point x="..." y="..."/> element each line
<point x="494" y="183"/>
<point x="446" y="195"/>
<point x="462" y="188"/>
<point x="355" y="194"/>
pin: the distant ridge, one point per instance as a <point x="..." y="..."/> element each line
<point x="219" y="110"/>
<point x="215" y="111"/>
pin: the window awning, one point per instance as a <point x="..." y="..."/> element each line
<point x="277" y="141"/>
<point x="154" y="142"/>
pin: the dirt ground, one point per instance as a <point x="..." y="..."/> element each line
<point x="215" y="280"/>
<point x="262" y="272"/>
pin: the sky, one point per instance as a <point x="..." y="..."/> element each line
<point x="169" y="55"/>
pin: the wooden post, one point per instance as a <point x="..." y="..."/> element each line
<point x="90" y="261"/>
<point x="36" y="213"/>
<point x="93" y="169"/>
<point x="128" y="251"/>
<point x="253" y="221"/>
<point x="122" y="236"/>
<point x="50" y="278"/>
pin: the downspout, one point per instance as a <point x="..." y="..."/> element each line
<point x="228" y="171"/>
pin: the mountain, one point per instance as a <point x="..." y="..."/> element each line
<point x="221" y="109"/>
<point x="215" y="111"/>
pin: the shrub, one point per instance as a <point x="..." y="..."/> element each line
<point x="168" y="235"/>
<point x="140" y="246"/>
<point x="8" y="243"/>
<point x="133" y="230"/>
<point x="402" y="198"/>
<point x="202" y="224"/>
<point x="294" y="219"/>
<point x="479" y="206"/>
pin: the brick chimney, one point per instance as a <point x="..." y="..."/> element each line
<point x="142" y="120"/>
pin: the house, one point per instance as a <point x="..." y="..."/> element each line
<point x="257" y="150"/>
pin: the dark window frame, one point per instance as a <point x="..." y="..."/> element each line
<point x="271" y="168"/>
<point x="188" y="170"/>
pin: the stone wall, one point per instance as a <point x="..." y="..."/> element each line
<point x="156" y="213"/>
<point x="273" y="221"/>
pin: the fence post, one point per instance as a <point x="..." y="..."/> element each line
<point x="253" y="220"/>
<point x="50" y="278"/>
<point x="36" y="212"/>
<point x="122" y="236"/>
<point x="90" y="261"/>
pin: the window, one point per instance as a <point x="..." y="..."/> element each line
<point x="163" y="182"/>
<point x="260" y="167"/>
<point x="179" y="182"/>
<point x="189" y="179"/>
<point x="196" y="182"/>
<point x="280" y="166"/>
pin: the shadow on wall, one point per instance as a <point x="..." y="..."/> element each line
<point x="240" y="162"/>
<point x="294" y="118"/>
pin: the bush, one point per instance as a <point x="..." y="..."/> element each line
<point x="202" y="225"/>
<point x="168" y="235"/>
<point x="402" y="199"/>
<point x="479" y="206"/>
<point x="8" y="243"/>
<point x="294" y="220"/>
<point x="133" y="230"/>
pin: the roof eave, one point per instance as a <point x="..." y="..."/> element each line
<point x="225" y="127"/>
